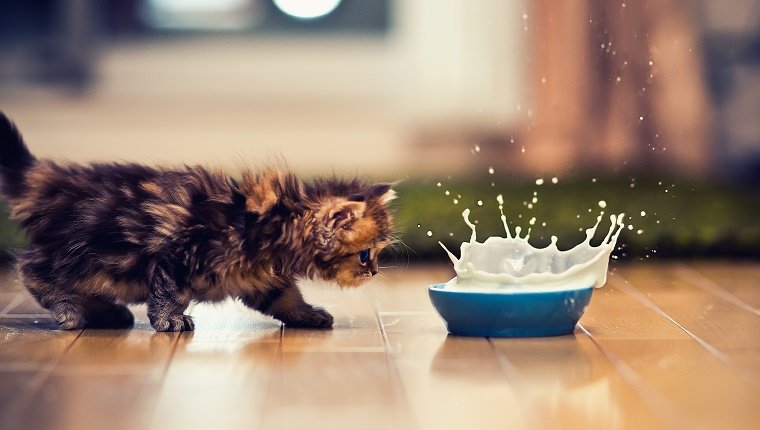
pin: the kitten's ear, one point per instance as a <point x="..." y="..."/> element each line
<point x="381" y="192"/>
<point x="344" y="213"/>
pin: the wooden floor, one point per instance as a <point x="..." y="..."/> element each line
<point x="673" y="345"/>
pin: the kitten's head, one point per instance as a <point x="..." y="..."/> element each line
<point x="352" y="225"/>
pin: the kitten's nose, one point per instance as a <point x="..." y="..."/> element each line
<point x="373" y="271"/>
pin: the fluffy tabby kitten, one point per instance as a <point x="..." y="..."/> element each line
<point x="107" y="234"/>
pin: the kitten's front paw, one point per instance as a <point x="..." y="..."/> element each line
<point x="174" y="323"/>
<point x="308" y="318"/>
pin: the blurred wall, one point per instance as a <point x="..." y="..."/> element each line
<point x="527" y="87"/>
<point x="347" y="101"/>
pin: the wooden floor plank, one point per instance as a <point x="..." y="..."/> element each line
<point x="13" y="383"/>
<point x="356" y="327"/>
<point x="731" y="331"/>
<point x="451" y="382"/>
<point x="719" y="322"/>
<point x="29" y="344"/>
<point x="337" y="378"/>
<point x="116" y="373"/>
<point x="406" y="290"/>
<point x="94" y="401"/>
<point x="220" y="374"/>
<point x="29" y="351"/>
<point x="609" y="316"/>
<point x="569" y="381"/>
<point x="660" y="351"/>
<point x="739" y="279"/>
<point x="103" y="350"/>
<point x="333" y="390"/>
<point x="695" y="384"/>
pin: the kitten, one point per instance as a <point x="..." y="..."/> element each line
<point x="104" y="235"/>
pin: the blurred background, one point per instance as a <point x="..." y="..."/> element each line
<point x="651" y="107"/>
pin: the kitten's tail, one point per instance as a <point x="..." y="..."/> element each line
<point x="15" y="159"/>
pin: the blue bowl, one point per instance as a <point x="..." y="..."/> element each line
<point x="510" y="314"/>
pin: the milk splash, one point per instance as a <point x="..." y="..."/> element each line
<point x="512" y="264"/>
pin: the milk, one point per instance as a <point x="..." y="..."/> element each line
<point x="511" y="263"/>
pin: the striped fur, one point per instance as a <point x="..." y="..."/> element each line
<point x="103" y="235"/>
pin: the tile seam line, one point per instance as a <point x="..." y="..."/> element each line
<point x="694" y="277"/>
<point x="510" y="371"/>
<point x="391" y="363"/>
<point x="626" y="287"/>
<point x="45" y="371"/>
<point x="663" y="407"/>
<point x="170" y="358"/>
<point x="272" y="375"/>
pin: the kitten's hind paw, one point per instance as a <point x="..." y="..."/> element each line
<point x="68" y="316"/>
<point x="308" y="318"/>
<point x="174" y="323"/>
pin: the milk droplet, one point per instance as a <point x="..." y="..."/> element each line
<point x="555" y="180"/>
<point x="429" y="233"/>
<point x="643" y="213"/>
<point x="446" y="192"/>
<point x="540" y="181"/>
<point x="490" y="170"/>
<point x="639" y="231"/>
<point x="532" y="221"/>
<point x="630" y="227"/>
<point x="438" y="184"/>
<point x="602" y="204"/>
<point x="522" y="150"/>
<point x="593" y="179"/>
<point x="456" y="202"/>
<point x="500" y="199"/>
<point x="530" y="205"/>
<point x="480" y="202"/>
<point x="451" y="234"/>
<point x="641" y="118"/>
<point x="543" y="224"/>
<point x="477" y="148"/>
<point x="535" y="200"/>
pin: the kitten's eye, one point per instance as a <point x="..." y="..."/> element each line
<point x="364" y="256"/>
